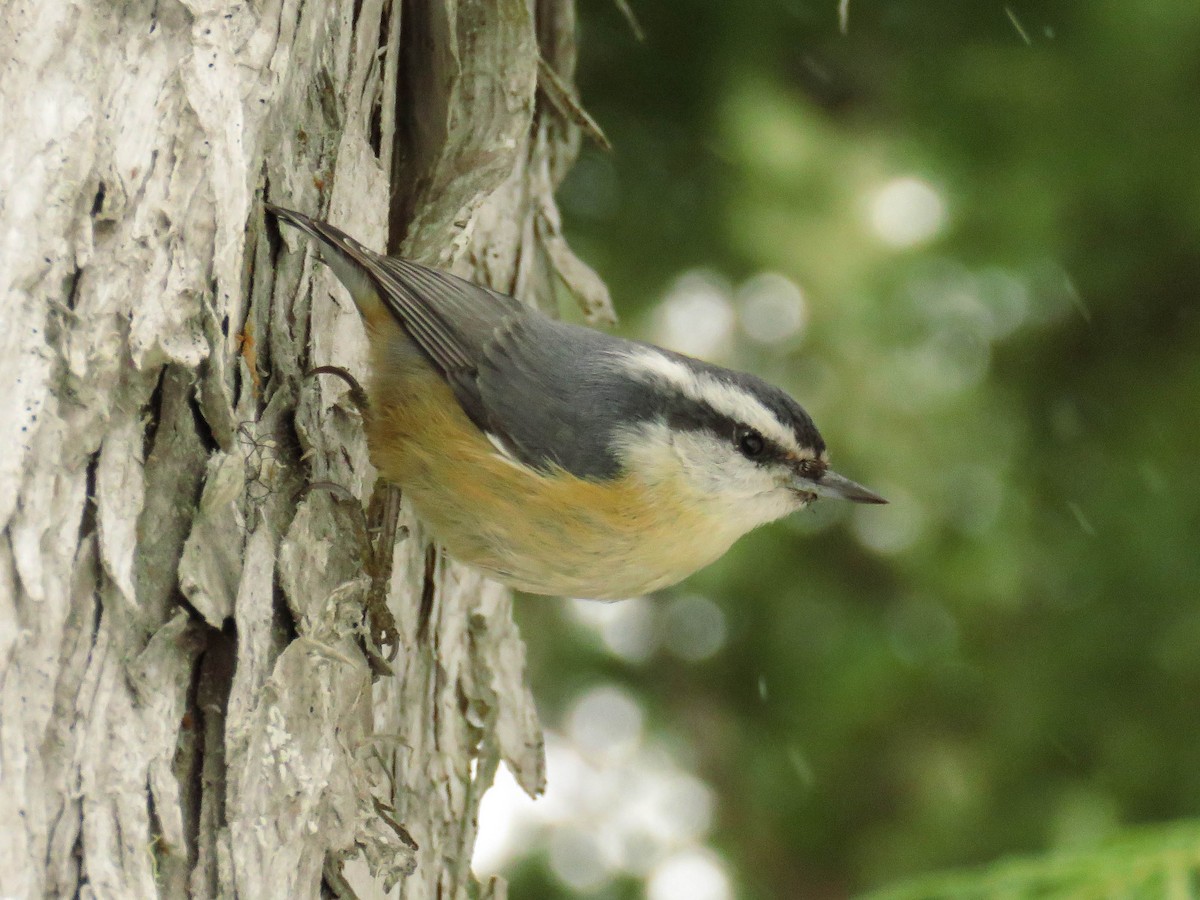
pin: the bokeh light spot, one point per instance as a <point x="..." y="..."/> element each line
<point x="693" y="628"/>
<point x="689" y="875"/>
<point x="577" y="860"/>
<point x="606" y="723"/>
<point x="597" y="818"/>
<point x="772" y="308"/>
<point x="627" y="628"/>
<point x="696" y="317"/>
<point x="891" y="529"/>
<point x="907" y="211"/>
<point x="502" y="830"/>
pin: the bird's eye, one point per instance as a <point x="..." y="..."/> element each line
<point x="750" y="443"/>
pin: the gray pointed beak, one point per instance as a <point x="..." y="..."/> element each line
<point x="831" y="484"/>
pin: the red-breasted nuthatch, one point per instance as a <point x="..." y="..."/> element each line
<point x="558" y="459"/>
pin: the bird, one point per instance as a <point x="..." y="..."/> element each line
<point x="556" y="458"/>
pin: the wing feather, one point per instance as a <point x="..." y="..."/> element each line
<point x="515" y="372"/>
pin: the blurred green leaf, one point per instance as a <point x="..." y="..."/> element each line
<point x="1154" y="864"/>
<point x="1003" y="660"/>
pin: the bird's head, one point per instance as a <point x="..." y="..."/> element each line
<point x="731" y="441"/>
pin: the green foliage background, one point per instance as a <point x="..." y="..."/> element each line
<point x="1021" y="674"/>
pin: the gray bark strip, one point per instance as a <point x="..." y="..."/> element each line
<point x="185" y="704"/>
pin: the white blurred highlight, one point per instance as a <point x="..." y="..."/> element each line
<point x="627" y="628"/>
<point x="896" y="528"/>
<point x="578" y="860"/>
<point x="907" y="211"/>
<point x="638" y="814"/>
<point x="690" y="875"/>
<point x="696" y="317"/>
<point x="605" y="724"/>
<point x="772" y="308"/>
<point x="693" y="628"/>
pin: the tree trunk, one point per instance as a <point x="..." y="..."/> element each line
<point x="192" y="699"/>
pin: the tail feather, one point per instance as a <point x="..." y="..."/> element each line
<point x="453" y="322"/>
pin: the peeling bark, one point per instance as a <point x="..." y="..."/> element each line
<point x="191" y="701"/>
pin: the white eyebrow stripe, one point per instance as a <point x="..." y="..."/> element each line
<point x="726" y="399"/>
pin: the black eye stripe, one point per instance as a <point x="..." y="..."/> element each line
<point x="694" y="416"/>
<point x="684" y="410"/>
